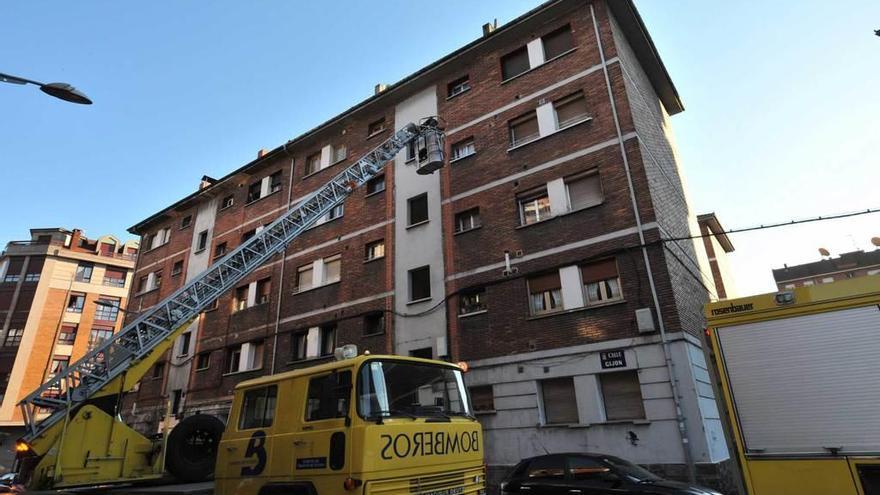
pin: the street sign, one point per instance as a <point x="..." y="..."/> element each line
<point x="612" y="359"/>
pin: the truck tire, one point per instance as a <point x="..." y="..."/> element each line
<point x="192" y="448"/>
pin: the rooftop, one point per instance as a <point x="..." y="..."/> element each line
<point x="844" y="262"/>
<point x="624" y="12"/>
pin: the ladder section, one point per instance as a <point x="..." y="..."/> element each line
<point x="90" y="374"/>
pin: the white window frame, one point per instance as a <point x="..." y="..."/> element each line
<point x="463" y="149"/>
<point x="471" y="221"/>
<point x="369" y="251"/>
<point x="521" y="203"/>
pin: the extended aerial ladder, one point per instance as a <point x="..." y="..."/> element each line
<point x="115" y="366"/>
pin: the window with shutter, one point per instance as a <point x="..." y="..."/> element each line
<point x="545" y="293"/>
<point x="514" y="63"/>
<point x="524" y="129"/>
<point x="557" y="42"/>
<point x="584" y="192"/>
<point x="622" y="395"/>
<point x="560" y="402"/>
<point x="570" y="110"/>
<point x="482" y="398"/>
<point x="601" y="281"/>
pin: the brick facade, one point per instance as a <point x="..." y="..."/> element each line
<point x="625" y="141"/>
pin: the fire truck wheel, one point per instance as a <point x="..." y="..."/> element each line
<point x="192" y="447"/>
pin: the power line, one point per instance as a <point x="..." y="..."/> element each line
<point x="772" y="225"/>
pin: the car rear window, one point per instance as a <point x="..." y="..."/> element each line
<point x="547" y="468"/>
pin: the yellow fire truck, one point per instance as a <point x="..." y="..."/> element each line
<point x="799" y="374"/>
<point x="368" y="424"/>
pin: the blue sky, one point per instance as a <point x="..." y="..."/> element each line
<point x="781" y="119"/>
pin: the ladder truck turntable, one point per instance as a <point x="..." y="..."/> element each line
<point x="72" y="419"/>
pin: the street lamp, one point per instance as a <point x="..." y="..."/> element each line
<point x="63" y="91"/>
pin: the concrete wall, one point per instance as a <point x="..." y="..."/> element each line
<point x="417" y="246"/>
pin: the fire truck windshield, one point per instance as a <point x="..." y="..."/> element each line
<point x="388" y="388"/>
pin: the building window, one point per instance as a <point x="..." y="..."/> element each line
<point x="545" y="293"/>
<point x="233" y="359"/>
<point x="202" y="241"/>
<point x="332" y="268"/>
<point x="157" y="280"/>
<point x="275" y="182"/>
<point x="335" y="213"/>
<point x="67" y="335"/>
<point x="458" y="86"/>
<point x="13" y="337"/>
<point x="601" y="282"/>
<point x="472" y="301"/>
<point x="411" y="151"/>
<point x="420" y="283"/>
<point x="313" y="163"/>
<point x="418" y="209"/>
<point x="827" y="280"/>
<point x="376" y="127"/>
<point x="467" y="220"/>
<point x="340" y="152"/>
<point x="534" y="208"/>
<point x="374" y="323"/>
<point x="524" y="129"/>
<point x="515" y="63"/>
<point x="32" y="277"/>
<point x="203" y="361"/>
<point x="158" y="370"/>
<point x="328" y="340"/>
<point x="185" y="339"/>
<point x="186" y="221"/>
<point x="244" y="357"/>
<point x="12" y="278"/>
<point x="255" y="191"/>
<point x="328" y="396"/>
<point x="874" y="272"/>
<point x="258" y="408"/>
<point x="114" y="277"/>
<point x="241" y="297"/>
<point x="84" y="273"/>
<point x="789" y="286"/>
<point x="463" y="149"/>
<point x="98" y="336"/>
<point x="58" y="365"/>
<point x="247" y="235"/>
<point x="219" y="250"/>
<point x="560" y="403"/>
<point x="142" y="283"/>
<point x="423" y="353"/>
<point x="299" y="346"/>
<point x="305" y="277"/>
<point x="264" y="289"/>
<point x="107" y="309"/>
<point x="584" y="192"/>
<point x="75" y="303"/>
<point x="177" y="268"/>
<point x="482" y="399"/>
<point x="557" y="42"/>
<point x="374" y="250"/>
<point x="376" y="184"/>
<point x="227" y="202"/>
<point x="570" y="110"/>
<point x="622" y="395"/>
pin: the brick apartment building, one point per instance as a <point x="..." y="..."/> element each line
<point x="847" y="265"/>
<point x="560" y="161"/>
<point x="49" y="287"/>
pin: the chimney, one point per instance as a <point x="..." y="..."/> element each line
<point x="261" y="153"/>
<point x="75" y="238"/>
<point x="490" y="27"/>
<point x="206" y="182"/>
<point x="380" y="88"/>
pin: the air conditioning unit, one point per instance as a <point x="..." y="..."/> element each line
<point x="645" y="320"/>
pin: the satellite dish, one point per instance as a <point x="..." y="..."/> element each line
<point x="824" y="252"/>
<point x="875" y="241"/>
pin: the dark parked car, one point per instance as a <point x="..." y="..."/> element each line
<point x="590" y="474"/>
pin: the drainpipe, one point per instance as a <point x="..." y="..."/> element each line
<point x="281" y="278"/>
<point x="670" y="366"/>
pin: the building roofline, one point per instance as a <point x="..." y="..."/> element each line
<point x="624" y="11"/>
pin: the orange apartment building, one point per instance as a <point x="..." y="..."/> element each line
<point x="60" y="296"/>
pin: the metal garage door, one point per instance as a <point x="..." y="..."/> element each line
<point x="804" y="384"/>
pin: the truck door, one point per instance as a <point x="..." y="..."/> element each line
<point x="246" y="448"/>
<point x="322" y="446"/>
